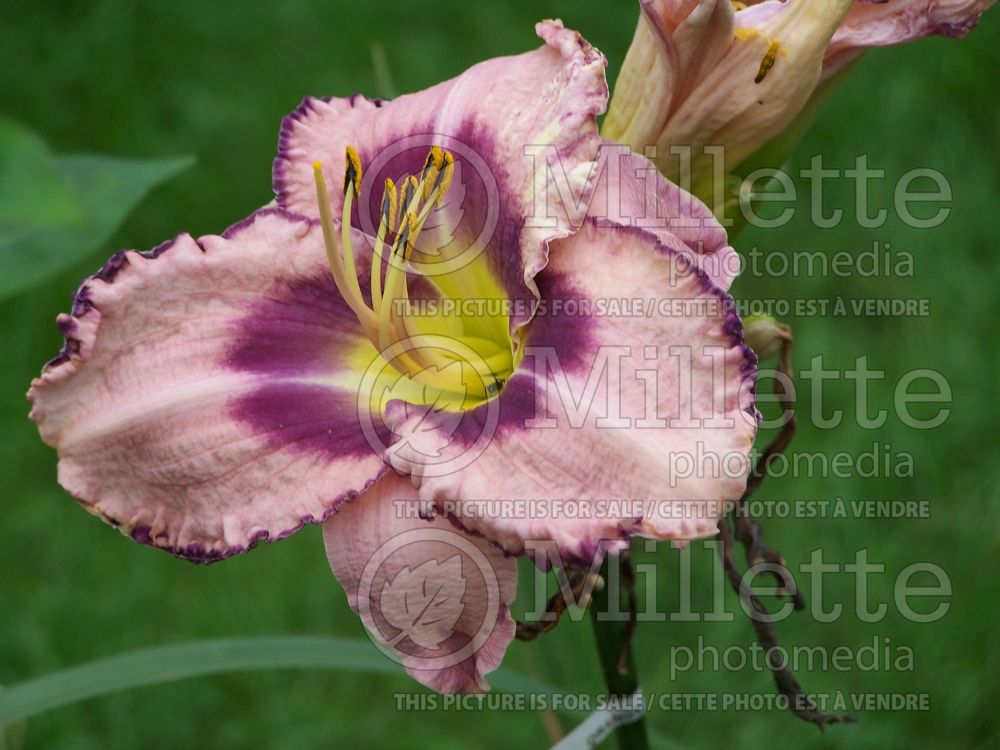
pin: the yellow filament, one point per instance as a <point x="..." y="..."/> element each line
<point x="389" y="211"/>
<point x="335" y="255"/>
<point x="394" y="274"/>
<point x="350" y="272"/>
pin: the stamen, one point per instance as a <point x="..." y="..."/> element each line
<point x="393" y="275"/>
<point x="395" y="307"/>
<point x="389" y="212"/>
<point x="409" y="194"/>
<point x="416" y="360"/>
<point x="403" y="247"/>
<point x="335" y="255"/>
<point x="390" y="206"/>
<point x="404" y="243"/>
<point x="444" y="177"/>
<point x="431" y="172"/>
<point x="352" y="189"/>
<point x="352" y="171"/>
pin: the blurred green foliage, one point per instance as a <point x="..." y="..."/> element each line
<point x="56" y="210"/>
<point x="32" y="193"/>
<point x="145" y="79"/>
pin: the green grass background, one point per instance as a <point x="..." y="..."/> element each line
<point x="146" y="79"/>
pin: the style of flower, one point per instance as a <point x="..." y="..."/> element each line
<point x="385" y="357"/>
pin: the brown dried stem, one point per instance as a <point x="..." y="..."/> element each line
<point x="578" y="582"/>
<point x="750" y="534"/>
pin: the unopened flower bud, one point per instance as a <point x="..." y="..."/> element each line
<point x="765" y="335"/>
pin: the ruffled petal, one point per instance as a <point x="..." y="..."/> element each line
<point x="632" y="193"/>
<point x="503" y="120"/>
<point x="630" y="420"/>
<point x="433" y="598"/>
<point x="203" y="400"/>
<point x="878" y="24"/>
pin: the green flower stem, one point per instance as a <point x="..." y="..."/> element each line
<point x="617" y="664"/>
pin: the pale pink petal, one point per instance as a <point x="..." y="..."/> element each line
<point x="433" y="597"/>
<point x="655" y="447"/>
<point x="505" y="121"/>
<point x="201" y="402"/>
<point x="631" y="192"/>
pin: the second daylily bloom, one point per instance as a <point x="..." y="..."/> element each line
<point x="406" y="351"/>
<point x="703" y="74"/>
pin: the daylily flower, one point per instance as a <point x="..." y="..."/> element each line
<point x="711" y="73"/>
<point x="385" y="357"/>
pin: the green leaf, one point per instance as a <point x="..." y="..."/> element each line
<point x="33" y="193"/>
<point x="182" y="661"/>
<point x="12" y="735"/>
<point x="106" y="190"/>
<point x="162" y="664"/>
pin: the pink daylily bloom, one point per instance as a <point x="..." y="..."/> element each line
<point x="303" y="367"/>
<point x="706" y="73"/>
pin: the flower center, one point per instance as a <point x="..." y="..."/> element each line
<point x="453" y="366"/>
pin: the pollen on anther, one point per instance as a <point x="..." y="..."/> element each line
<point x="433" y="162"/>
<point x="445" y="175"/>
<point x="352" y="170"/>
<point x="390" y="205"/>
<point x="408" y="191"/>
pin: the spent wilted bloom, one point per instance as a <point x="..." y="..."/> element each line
<point x="703" y="75"/>
<point x="416" y="327"/>
<point x="882" y="23"/>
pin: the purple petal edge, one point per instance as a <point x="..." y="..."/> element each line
<point x="198" y="554"/>
<point x="82" y="303"/>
